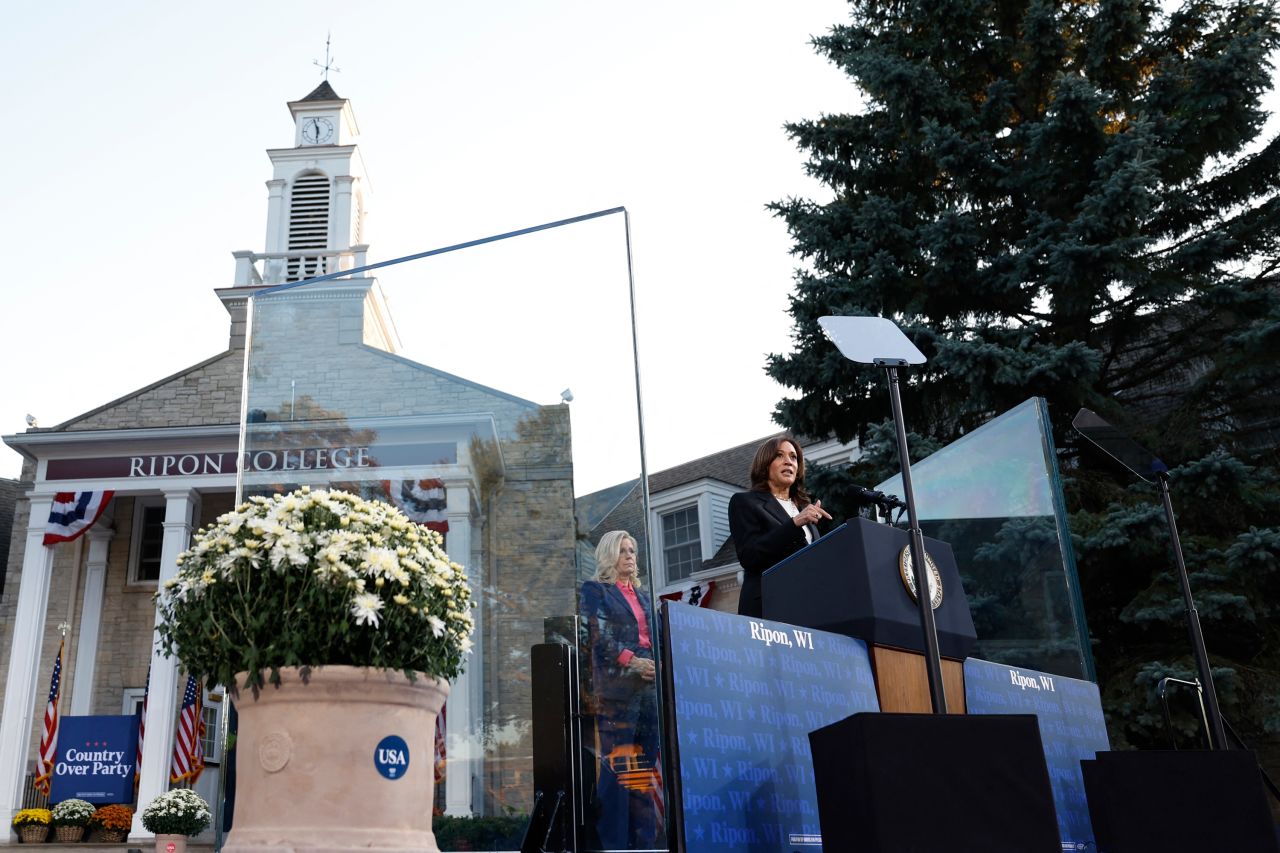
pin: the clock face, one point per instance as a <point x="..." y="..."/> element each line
<point x="316" y="131"/>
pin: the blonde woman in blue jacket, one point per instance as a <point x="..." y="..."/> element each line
<point x="622" y="643"/>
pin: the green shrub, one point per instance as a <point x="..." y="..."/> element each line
<point x="479" y="833"/>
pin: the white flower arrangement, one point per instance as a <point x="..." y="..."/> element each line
<point x="72" y="812"/>
<point x="314" y="578"/>
<point x="177" y="812"/>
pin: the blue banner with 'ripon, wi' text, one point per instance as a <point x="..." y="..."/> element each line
<point x="1072" y="727"/>
<point x="746" y="692"/>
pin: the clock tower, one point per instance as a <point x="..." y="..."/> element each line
<point x="323" y="118"/>
<point x="319" y="190"/>
<point x="317" y="202"/>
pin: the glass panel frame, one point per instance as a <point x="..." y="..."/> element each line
<point x="996" y="496"/>
<point x="333" y="396"/>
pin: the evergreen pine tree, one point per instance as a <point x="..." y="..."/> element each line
<point x="1075" y="201"/>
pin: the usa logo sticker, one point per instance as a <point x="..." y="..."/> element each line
<point x="391" y="758"/>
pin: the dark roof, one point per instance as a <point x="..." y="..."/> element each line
<point x="726" y="556"/>
<point x="593" y="508"/>
<point x="731" y="466"/>
<point x="609" y="508"/>
<point x="323" y="92"/>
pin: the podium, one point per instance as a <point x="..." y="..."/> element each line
<point x="849" y="582"/>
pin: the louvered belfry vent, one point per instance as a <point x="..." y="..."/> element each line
<point x="308" y="227"/>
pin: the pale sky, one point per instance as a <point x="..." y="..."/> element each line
<point x="136" y="138"/>
<point x="135" y="148"/>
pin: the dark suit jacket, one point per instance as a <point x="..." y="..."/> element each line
<point x="612" y="628"/>
<point x="763" y="535"/>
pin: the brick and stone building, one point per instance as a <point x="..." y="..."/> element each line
<point x="330" y="402"/>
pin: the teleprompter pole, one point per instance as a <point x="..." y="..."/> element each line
<point x="932" y="657"/>
<point x="1217" y="733"/>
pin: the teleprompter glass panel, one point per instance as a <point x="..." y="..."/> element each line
<point x="490" y="394"/>
<point x="996" y="497"/>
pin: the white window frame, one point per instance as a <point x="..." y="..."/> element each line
<point x="131" y="699"/>
<point x="215" y="699"/>
<point x="695" y="494"/>
<point x="662" y="544"/>
<point x="140" y="504"/>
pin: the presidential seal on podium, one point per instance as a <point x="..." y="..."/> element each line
<point x="907" y="571"/>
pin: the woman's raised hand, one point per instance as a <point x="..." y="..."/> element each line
<point x="811" y="514"/>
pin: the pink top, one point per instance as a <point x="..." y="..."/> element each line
<point x="633" y="600"/>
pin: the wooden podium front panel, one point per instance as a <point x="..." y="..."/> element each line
<point x="902" y="682"/>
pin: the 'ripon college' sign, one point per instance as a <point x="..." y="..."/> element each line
<point x="194" y="464"/>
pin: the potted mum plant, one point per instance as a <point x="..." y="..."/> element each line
<point x="112" y="822"/>
<point x="174" y="816"/>
<point x="33" y="825"/>
<point x="69" y="819"/>
<point x="335" y="622"/>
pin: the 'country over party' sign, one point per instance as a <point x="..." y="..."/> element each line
<point x="96" y="757"/>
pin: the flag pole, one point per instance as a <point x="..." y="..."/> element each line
<point x="47" y="751"/>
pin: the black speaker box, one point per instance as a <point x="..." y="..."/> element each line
<point x="555" y="748"/>
<point x="1188" y="800"/>
<point x="925" y="783"/>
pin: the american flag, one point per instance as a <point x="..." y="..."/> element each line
<point x="656" y="792"/>
<point x="48" y="754"/>
<point x="440" y="752"/>
<point x="142" y="729"/>
<point x="188" y="742"/>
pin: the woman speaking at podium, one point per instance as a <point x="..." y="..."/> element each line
<point x="773" y="520"/>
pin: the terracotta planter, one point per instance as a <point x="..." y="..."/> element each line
<point x="170" y="843"/>
<point x="68" y="834"/>
<point x="307" y="764"/>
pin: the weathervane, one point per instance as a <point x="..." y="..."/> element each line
<point x="328" y="63"/>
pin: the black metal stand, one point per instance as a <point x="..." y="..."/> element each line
<point x="1162" y="690"/>
<point x="932" y="658"/>
<point x="1217" y="735"/>
<point x="544" y="833"/>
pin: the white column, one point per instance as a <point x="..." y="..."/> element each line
<point x="162" y="698"/>
<point x="477" y="572"/>
<point x="95" y="583"/>
<point x="341" y="228"/>
<point x="22" y="683"/>
<point x="461" y="745"/>
<point x="275" y="217"/>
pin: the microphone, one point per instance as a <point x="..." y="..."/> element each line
<point x="880" y="499"/>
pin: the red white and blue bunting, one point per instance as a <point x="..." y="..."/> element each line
<point x="698" y="594"/>
<point x="73" y="513"/>
<point x="424" y="501"/>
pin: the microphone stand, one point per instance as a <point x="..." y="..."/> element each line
<point x="932" y="657"/>
<point x="1147" y="467"/>
<point x="879" y="342"/>
<point x="1217" y="734"/>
